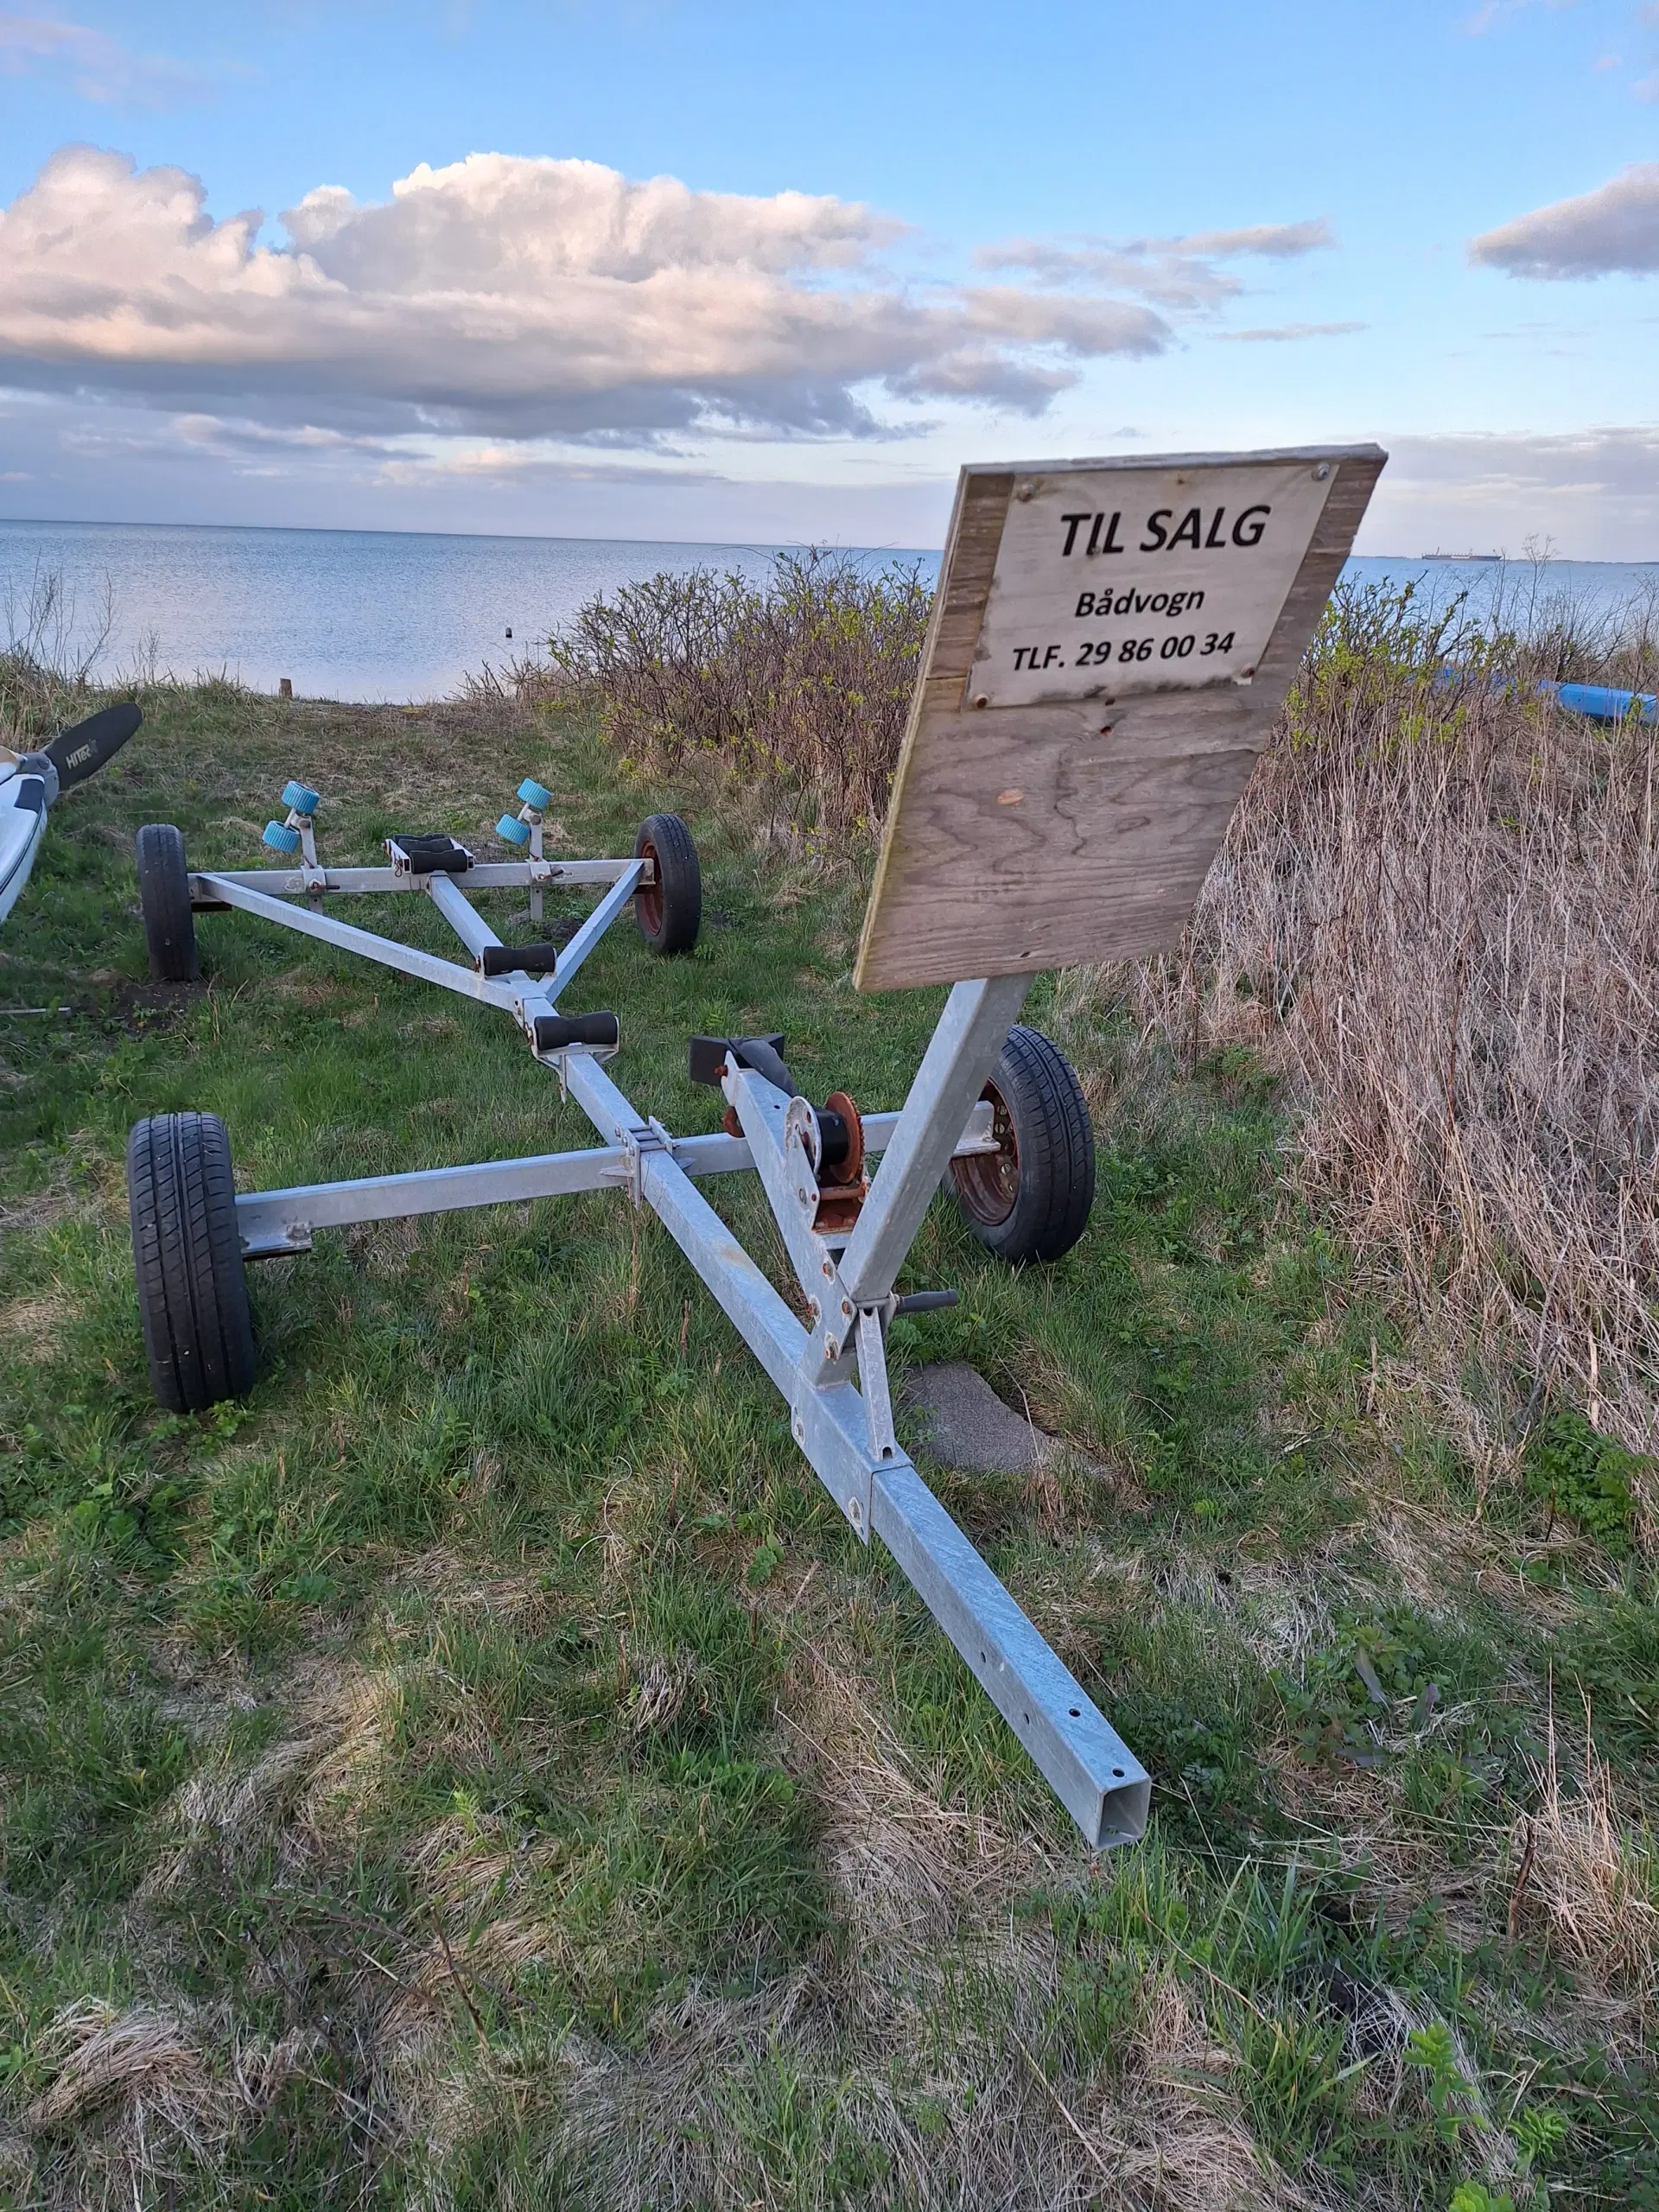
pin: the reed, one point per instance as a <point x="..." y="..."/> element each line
<point x="1437" y="916"/>
<point x="48" y="653"/>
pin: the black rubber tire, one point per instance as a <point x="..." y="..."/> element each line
<point x="669" y="911"/>
<point x="164" y="896"/>
<point x="192" y="1289"/>
<point x="1032" y="1199"/>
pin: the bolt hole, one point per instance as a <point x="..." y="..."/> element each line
<point x="1076" y="1711"/>
<point x="1025" y="1717"/>
<point x="1118" y="1773"/>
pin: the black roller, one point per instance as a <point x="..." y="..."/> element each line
<point x="557" y="1032"/>
<point x="510" y="959"/>
<point x="435" y="855"/>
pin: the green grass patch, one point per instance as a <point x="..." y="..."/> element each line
<point x="487" y="1768"/>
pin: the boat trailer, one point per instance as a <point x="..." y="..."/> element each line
<point x="846" y="1232"/>
<point x="1096" y="682"/>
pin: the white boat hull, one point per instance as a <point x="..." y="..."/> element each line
<point x="22" y="824"/>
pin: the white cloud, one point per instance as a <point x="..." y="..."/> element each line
<point x="1594" y="491"/>
<point x="1614" y="228"/>
<point x="1178" y="273"/>
<point x="1286" y="332"/>
<point x="97" y="66"/>
<point x="1497" y="11"/>
<point x="514" y="297"/>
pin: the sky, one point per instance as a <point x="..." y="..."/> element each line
<point x="718" y="271"/>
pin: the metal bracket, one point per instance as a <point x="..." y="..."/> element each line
<point x="293" y="1236"/>
<point x="782" y="1138"/>
<point x="311" y="872"/>
<point x="872" y="1389"/>
<point x="648" y="1137"/>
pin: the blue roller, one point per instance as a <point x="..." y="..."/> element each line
<point x="515" y="831"/>
<point x="535" y="794"/>
<point x="300" y="799"/>
<point x="281" y="838"/>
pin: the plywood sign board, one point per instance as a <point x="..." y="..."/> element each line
<point x="1110" y="641"/>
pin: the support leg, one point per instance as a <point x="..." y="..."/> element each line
<point x="964" y="1049"/>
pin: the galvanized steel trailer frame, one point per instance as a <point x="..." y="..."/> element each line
<point x="831" y="1371"/>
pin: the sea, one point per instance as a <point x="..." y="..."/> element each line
<point x="360" y="615"/>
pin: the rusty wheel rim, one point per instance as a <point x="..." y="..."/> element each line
<point x="648" y="899"/>
<point x="987" y="1183"/>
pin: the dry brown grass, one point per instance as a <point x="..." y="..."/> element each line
<point x="137" y="2100"/>
<point x="1588" y="1876"/>
<point x="1437" y="914"/>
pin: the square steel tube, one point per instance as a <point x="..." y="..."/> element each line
<point x="1092" y="1771"/>
<point x="960" y="1055"/>
<point x="457" y="910"/>
<point x="483" y="875"/>
<point x="271" y="1223"/>
<point x="346" y="937"/>
<point x="593" y="926"/>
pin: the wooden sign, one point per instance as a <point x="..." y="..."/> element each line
<point x="1110" y="641"/>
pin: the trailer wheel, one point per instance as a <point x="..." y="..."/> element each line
<point x="1030" y="1198"/>
<point x="164" y="896"/>
<point x="193" y="1291"/>
<point x="669" y="911"/>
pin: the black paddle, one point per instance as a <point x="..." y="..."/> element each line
<point x="82" y="752"/>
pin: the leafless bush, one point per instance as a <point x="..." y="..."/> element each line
<point x="48" y="655"/>
<point x="503" y="700"/>
<point x="1437" y="914"/>
<point x="805" y="680"/>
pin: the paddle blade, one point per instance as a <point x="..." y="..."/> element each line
<point x="82" y="752"/>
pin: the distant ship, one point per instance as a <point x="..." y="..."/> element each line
<point x="1459" y="556"/>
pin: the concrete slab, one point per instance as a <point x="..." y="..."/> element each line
<point x="960" y="1420"/>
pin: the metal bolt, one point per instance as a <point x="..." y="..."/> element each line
<point x="812" y="1309"/>
<point x="828" y="1267"/>
<point x="831" y="1348"/>
<point x="1322" y="472"/>
<point x="847" y="1307"/>
<point x="854" y="1512"/>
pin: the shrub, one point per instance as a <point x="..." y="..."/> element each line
<point x="804" y="682"/>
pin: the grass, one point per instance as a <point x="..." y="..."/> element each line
<point x="484" y="1770"/>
